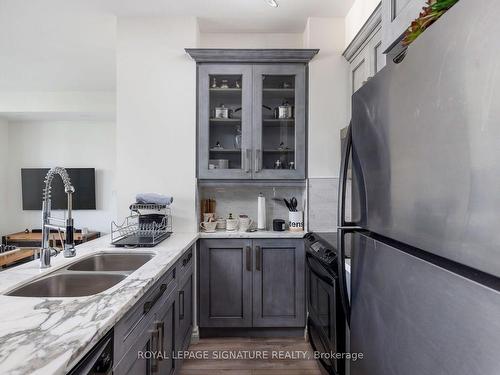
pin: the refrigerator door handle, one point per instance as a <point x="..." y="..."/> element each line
<point x="344" y="294"/>
<point x="344" y="166"/>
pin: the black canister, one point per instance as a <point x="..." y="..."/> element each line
<point x="279" y="225"/>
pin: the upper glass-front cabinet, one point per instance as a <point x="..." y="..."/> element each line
<point x="225" y="121"/>
<point x="279" y="121"/>
<point x="251" y="121"/>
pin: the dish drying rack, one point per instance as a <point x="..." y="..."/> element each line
<point x="146" y="226"/>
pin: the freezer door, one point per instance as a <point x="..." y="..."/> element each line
<point x="412" y="317"/>
<point x="426" y="140"/>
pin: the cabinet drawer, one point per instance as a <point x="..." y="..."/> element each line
<point x="134" y="322"/>
<point x="134" y="364"/>
<point x="185" y="262"/>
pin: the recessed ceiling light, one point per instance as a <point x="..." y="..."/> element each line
<point x="272" y="3"/>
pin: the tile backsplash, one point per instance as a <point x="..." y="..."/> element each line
<point x="319" y="201"/>
<point x="323" y="203"/>
<point x="242" y="199"/>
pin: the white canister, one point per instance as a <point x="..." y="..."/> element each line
<point x="296" y="221"/>
<point x="231" y="225"/>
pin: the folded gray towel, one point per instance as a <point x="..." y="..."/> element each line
<point x="153" y="198"/>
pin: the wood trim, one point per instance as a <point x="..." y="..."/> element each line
<point x="37" y="236"/>
<point x="15" y="255"/>
<point x="235" y="55"/>
<point x="373" y="22"/>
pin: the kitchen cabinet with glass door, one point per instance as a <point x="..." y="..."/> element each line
<point x="279" y="121"/>
<point x="224" y="121"/>
<point x="252" y="114"/>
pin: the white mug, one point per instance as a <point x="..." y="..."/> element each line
<point x="296" y="221"/>
<point x="210" y="216"/>
<point x="245" y="223"/>
<point x="208" y="226"/>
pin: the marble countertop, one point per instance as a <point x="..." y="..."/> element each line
<point x="257" y="234"/>
<point x="50" y="335"/>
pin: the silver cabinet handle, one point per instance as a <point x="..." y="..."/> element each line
<point x="258" y="258"/>
<point x="247" y="160"/>
<point x="248" y="250"/>
<point x="160" y="327"/>
<point x="257" y="161"/>
<point x="155" y="340"/>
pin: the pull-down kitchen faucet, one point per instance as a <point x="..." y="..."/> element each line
<point x="69" y="246"/>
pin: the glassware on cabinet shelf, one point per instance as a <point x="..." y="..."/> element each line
<point x="237" y="138"/>
<point x="278" y="124"/>
<point x="225" y="98"/>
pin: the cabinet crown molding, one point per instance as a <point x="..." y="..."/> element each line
<point x="371" y="24"/>
<point x="234" y="55"/>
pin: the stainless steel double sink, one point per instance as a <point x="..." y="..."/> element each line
<point x="85" y="277"/>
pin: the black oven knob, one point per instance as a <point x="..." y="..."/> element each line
<point x="310" y="237"/>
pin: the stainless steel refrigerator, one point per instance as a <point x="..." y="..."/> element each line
<point x="425" y="229"/>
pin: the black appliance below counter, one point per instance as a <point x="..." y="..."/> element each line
<point x="99" y="361"/>
<point x="326" y="320"/>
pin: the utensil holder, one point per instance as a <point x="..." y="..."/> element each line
<point x="296" y="221"/>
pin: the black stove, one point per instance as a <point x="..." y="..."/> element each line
<point x="326" y="320"/>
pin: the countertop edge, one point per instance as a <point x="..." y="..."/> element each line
<point x="88" y="332"/>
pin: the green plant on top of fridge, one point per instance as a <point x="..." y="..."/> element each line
<point x="430" y="13"/>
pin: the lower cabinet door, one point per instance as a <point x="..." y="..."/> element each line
<point x="185" y="311"/>
<point x="226" y="283"/>
<point x="279" y="283"/>
<point x="165" y="323"/>
<point x="138" y="360"/>
<point x="151" y="353"/>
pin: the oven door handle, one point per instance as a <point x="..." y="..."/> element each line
<point x="325" y="279"/>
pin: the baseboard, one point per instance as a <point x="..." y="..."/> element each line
<point x="251" y="332"/>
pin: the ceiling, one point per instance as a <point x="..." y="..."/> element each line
<point x="220" y="15"/>
<point x="69" y="45"/>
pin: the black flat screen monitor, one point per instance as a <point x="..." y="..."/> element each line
<point x="82" y="179"/>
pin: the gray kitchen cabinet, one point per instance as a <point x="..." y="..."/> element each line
<point x="164" y="328"/>
<point x="279" y="283"/>
<point x="365" y="53"/>
<point x="161" y="321"/>
<point x="242" y="131"/>
<point x="226" y="283"/>
<point x="185" y="302"/>
<point x="225" y="134"/>
<point x="279" y="143"/>
<point x="157" y="336"/>
<point x="367" y="62"/>
<point x="134" y="363"/>
<point x="359" y="70"/>
<point x="245" y="283"/>
<point x="137" y="320"/>
<point x="397" y="15"/>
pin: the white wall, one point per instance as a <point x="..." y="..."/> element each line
<point x="4" y="134"/>
<point x="250" y="40"/>
<point x="359" y="13"/>
<point x="328" y="80"/>
<point x="67" y="144"/>
<point x="156" y="113"/>
<point x="58" y="104"/>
